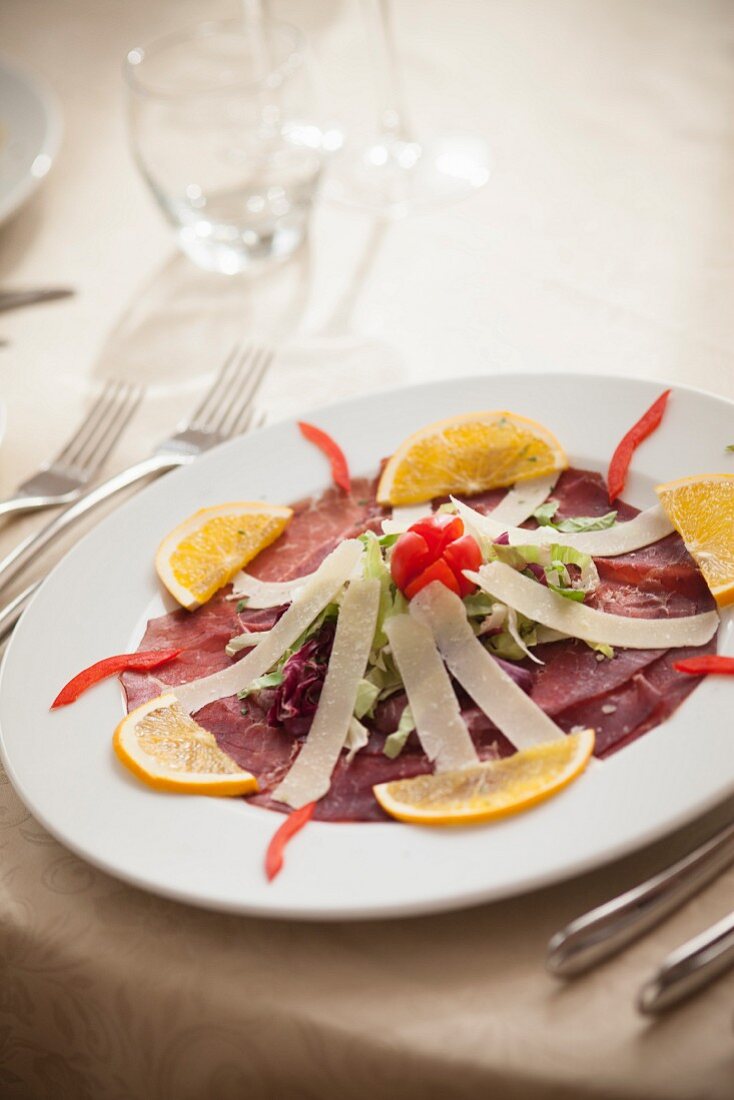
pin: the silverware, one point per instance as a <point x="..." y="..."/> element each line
<point x="14" y="299"/>
<point x="607" y="929"/>
<point x="225" y="411"/>
<point x="689" y="968"/>
<point x="62" y="480"/>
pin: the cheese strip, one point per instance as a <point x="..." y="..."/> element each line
<point x="333" y="572"/>
<point x="310" y="777"/>
<point x="403" y="518"/>
<point x="439" y="725"/>
<point x="507" y="706"/>
<point x="521" y="501"/>
<point x="622" y="538"/>
<point x="575" y="619"/>
<point x="260" y="594"/>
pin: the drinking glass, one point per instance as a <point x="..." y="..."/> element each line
<point x="397" y="171"/>
<point x="222" y="129"/>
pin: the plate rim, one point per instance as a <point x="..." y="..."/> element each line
<point x="401" y="908"/>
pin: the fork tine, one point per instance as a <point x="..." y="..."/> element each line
<point x="67" y="456"/>
<point x="244" y="416"/>
<point x="250" y="372"/>
<point x="212" y="396"/>
<point x="129" y="397"/>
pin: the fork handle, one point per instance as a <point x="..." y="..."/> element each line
<point x="17" y="505"/>
<point x="606" y="930"/>
<point x="27" y="551"/>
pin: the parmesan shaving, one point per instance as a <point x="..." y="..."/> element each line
<point x="434" y="706"/>
<point x="310" y="777"/>
<point x="507" y="706"/>
<point x="575" y="619"/>
<point x="622" y="538"/>
<point x="262" y="594"/>
<point x="320" y="590"/>
<point x="521" y="501"/>
<point x="403" y="518"/>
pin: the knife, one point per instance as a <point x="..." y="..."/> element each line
<point x="689" y="968"/>
<point x="606" y="930"/>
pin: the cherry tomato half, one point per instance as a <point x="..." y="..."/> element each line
<point x="410" y="557"/>
<point x="436" y="571"/>
<point x="461" y="554"/>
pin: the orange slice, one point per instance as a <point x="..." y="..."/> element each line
<point x="205" y="551"/>
<point x="701" y="509"/>
<point x="168" y="750"/>
<point x="469" y="454"/>
<point x="490" y="790"/>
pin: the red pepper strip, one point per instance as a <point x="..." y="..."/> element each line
<point x="710" y="662"/>
<point x="110" y="666"/>
<point x="332" y="450"/>
<point x="292" y="825"/>
<point x="622" y="457"/>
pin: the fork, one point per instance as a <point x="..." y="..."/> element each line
<point x="62" y="480"/>
<point x="225" y="411"/>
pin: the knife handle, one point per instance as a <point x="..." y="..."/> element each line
<point x="689" y="968"/>
<point x="607" y="929"/>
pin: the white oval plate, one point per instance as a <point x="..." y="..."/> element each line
<point x="30" y="133"/>
<point x="210" y="851"/>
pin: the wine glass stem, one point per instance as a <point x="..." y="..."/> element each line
<point x="393" y="122"/>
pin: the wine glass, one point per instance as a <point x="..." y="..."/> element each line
<point x="398" y="171"/>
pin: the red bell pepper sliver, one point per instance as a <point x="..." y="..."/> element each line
<point x="332" y="450"/>
<point x="110" y="666"/>
<point x="292" y="825"/>
<point x="622" y="457"/>
<point x="709" y="662"/>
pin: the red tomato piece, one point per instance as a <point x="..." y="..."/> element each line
<point x="439" y="531"/>
<point x="436" y="571"/>
<point x="461" y="554"/>
<point x="410" y="556"/>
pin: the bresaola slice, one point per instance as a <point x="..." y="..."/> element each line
<point x="645" y="528"/>
<point x="579" y="621"/>
<point x="333" y="572"/>
<point x="622" y="697"/>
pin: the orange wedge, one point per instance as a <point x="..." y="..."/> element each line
<point x="468" y="454"/>
<point x="169" y="751"/>
<point x="205" y="551"/>
<point x="491" y="790"/>
<point x="701" y="509"/>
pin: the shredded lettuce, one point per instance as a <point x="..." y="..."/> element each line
<point x="395" y="742"/>
<point x="546" y="512"/>
<point x="357" y="737"/>
<point x="603" y="648"/>
<point x="553" y="560"/>
<point x="269" y="680"/>
<point x="367" y="695"/>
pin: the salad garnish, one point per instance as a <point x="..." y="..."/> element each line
<point x="111" y="666"/>
<point x="708" y="664"/>
<point x="332" y="450"/>
<point x="292" y="824"/>
<point x="622" y="457"/>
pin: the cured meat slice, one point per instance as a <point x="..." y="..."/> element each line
<point x="622" y="697"/>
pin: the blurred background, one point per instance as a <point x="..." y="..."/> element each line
<point x="602" y="239"/>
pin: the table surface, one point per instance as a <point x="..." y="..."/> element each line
<point x="603" y="243"/>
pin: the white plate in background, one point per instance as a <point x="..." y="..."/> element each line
<point x="30" y="133"/>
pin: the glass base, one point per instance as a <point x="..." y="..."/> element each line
<point x="393" y="176"/>
<point x="220" y="249"/>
